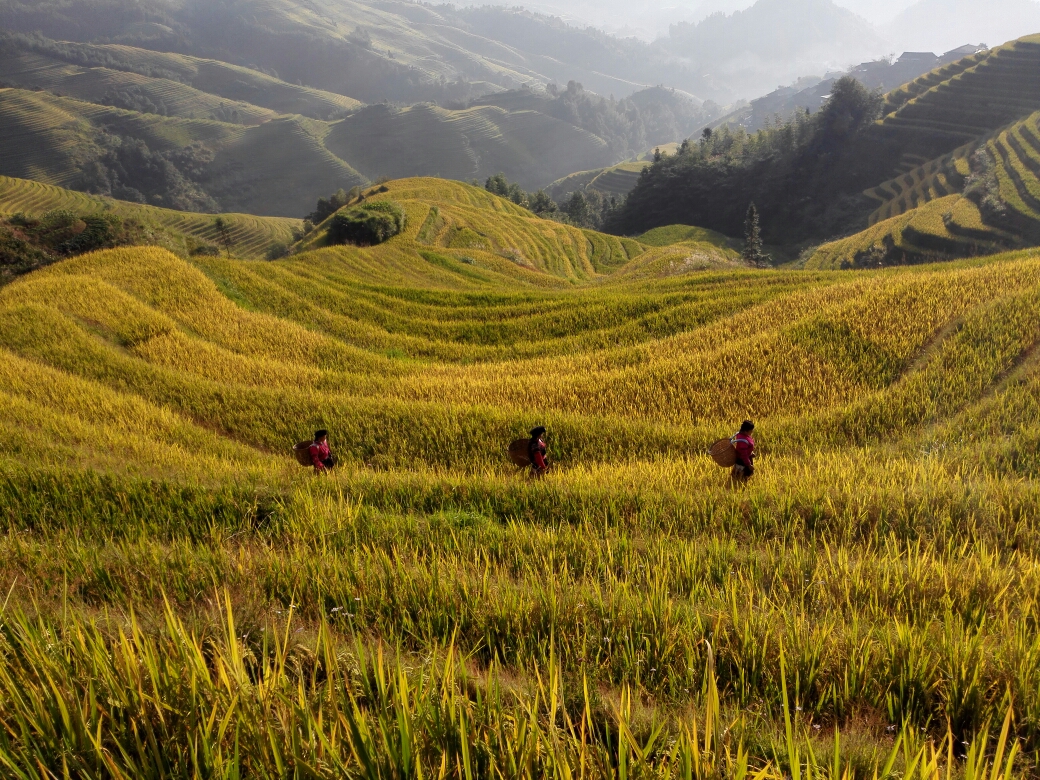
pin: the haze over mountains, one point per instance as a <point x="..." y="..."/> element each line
<point x="264" y="105"/>
<point x="405" y="52"/>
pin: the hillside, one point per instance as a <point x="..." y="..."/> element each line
<point x="165" y="546"/>
<point x="981" y="199"/>
<point x="181" y="232"/>
<point x="817" y="178"/>
<point x="964" y="100"/>
<point x="209" y="165"/>
<point x="371" y="51"/>
<point x="158" y="82"/>
<point x="181" y="132"/>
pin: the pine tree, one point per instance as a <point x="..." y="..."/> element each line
<point x="224" y="233"/>
<point x="753" y="253"/>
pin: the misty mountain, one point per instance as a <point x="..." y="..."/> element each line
<point x="877" y="12"/>
<point x="371" y="50"/>
<point x="937" y="25"/>
<point x="775" y="42"/>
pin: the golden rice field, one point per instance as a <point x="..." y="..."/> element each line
<point x="181" y="599"/>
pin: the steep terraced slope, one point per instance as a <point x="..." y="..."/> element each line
<point x="952" y="106"/>
<point x="252" y="237"/>
<point x="983" y="198"/>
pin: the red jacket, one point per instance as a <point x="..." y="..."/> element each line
<point x="537" y="451"/>
<point x="744" y="443"/>
<point x="319" y="454"/>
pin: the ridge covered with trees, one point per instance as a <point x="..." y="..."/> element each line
<point x="950" y="158"/>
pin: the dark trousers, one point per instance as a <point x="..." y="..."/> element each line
<point x="743" y="470"/>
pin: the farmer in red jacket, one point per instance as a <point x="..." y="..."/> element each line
<point x="537" y="451"/>
<point x="321" y="455"/>
<point x="744" y="444"/>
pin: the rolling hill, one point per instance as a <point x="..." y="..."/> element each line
<point x="77" y="115"/>
<point x="371" y="51"/>
<point x="173" y="567"/>
<point x="252" y="237"/>
<point x="181" y="85"/>
<point x="280" y="167"/>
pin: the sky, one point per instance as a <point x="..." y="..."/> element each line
<point x="961" y="21"/>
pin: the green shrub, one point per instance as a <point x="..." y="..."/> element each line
<point x="367" y="225"/>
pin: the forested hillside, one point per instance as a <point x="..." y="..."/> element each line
<point x="950" y="132"/>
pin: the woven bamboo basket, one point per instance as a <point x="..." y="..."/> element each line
<point x="519" y="452"/>
<point x="302" y="451"/>
<point x="724" y="453"/>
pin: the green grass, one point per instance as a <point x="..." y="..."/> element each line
<point x="183" y="599"/>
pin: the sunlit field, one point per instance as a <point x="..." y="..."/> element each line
<point x="182" y="599"/>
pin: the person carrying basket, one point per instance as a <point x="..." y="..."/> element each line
<point x="744" y="444"/>
<point x="737" y="452"/>
<point x="536" y="450"/>
<point x="316" y="453"/>
<point x="531" y="452"/>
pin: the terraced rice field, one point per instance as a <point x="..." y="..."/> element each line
<point x="252" y="236"/>
<point x="277" y="167"/>
<point x="211" y="81"/>
<point x="923" y="184"/>
<point x="864" y="607"/>
<point x="954" y="105"/>
<point x="41" y="140"/>
<point x="465" y="231"/>
<point x="619" y="180"/>
<point x="97" y="84"/>
<point x="924" y="217"/>
<point x="942" y="229"/>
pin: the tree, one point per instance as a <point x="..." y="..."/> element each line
<point x="580" y="210"/>
<point x="753" y="253"/>
<point x="224" y="234"/>
<point x="328" y="206"/>
<point x="850" y="108"/>
<point x="542" y="204"/>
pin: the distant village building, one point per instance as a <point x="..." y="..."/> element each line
<point x="812" y="92"/>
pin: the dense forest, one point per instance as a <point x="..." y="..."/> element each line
<point x="807" y="175"/>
